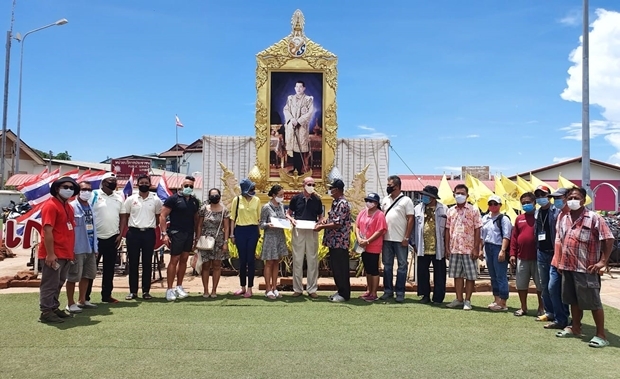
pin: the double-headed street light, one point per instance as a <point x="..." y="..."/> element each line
<point x="22" y="39"/>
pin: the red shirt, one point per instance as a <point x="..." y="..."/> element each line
<point x="523" y="241"/>
<point x="60" y="216"/>
<point x="369" y="225"/>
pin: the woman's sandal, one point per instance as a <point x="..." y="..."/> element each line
<point x="239" y="292"/>
<point x="520" y="312"/>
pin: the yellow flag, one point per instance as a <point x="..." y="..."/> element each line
<point x="565" y="183"/>
<point x="510" y="212"/>
<point x="509" y="199"/>
<point x="524" y="185"/>
<point x="445" y="192"/>
<point x="479" y="193"/>
<point x="537" y="182"/>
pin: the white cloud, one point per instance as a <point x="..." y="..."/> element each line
<point x="372" y="133"/>
<point x="472" y="136"/>
<point x="604" y="79"/>
<point x="561" y="159"/>
<point x="453" y="169"/>
<point x="572" y="18"/>
<point x="367" y="128"/>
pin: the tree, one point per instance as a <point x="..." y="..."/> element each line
<point x="65" y="156"/>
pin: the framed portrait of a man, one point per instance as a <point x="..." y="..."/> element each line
<point x="296" y="123"/>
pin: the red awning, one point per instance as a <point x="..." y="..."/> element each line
<point x="176" y="181"/>
<point x="19" y="179"/>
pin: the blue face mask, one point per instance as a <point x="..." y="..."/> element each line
<point x="558" y="203"/>
<point x="528" y="207"/>
<point x="426" y="199"/>
<point x="542" y="201"/>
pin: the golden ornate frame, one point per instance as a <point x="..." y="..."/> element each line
<point x="279" y="57"/>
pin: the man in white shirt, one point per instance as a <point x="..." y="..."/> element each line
<point x="140" y="213"/>
<point x="106" y="204"/>
<point x="399" y="212"/>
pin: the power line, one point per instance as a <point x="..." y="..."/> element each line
<point x="406" y="165"/>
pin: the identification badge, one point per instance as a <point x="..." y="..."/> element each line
<point x="542" y="236"/>
<point x="69" y="226"/>
<point x="89" y="227"/>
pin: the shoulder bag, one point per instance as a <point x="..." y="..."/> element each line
<point x="208" y="242"/>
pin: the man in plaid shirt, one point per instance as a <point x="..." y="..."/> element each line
<point x="586" y="244"/>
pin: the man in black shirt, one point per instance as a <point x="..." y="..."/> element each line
<point x="306" y="206"/>
<point x="180" y="237"/>
<point x="544" y="230"/>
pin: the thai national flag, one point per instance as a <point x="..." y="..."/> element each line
<point x="33" y="214"/>
<point x="163" y="192"/>
<point x="74" y="174"/>
<point x="179" y="124"/>
<point x="94" y="178"/>
<point x="38" y="191"/>
<point x="128" y="190"/>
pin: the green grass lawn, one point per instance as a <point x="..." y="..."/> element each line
<point x="293" y="338"/>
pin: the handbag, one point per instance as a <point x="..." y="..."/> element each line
<point x="196" y="262"/>
<point x="208" y="242"/>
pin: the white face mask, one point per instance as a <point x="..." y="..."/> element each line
<point x="85" y="195"/>
<point x="460" y="199"/>
<point x="279" y="199"/>
<point x="574" y="204"/>
<point x="329" y="192"/>
<point x="370" y="205"/>
<point x="309" y="189"/>
<point x="65" y="193"/>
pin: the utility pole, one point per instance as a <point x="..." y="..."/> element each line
<point x="585" y="102"/>
<point x="5" y="105"/>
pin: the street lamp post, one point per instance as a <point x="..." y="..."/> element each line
<point x="19" y="96"/>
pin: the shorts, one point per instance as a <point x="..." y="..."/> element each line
<point x="371" y="263"/>
<point x="525" y="271"/>
<point x="462" y="266"/>
<point x="581" y="289"/>
<point x="83" y="267"/>
<point x="180" y="242"/>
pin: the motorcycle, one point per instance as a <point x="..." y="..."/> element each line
<point x="15" y="210"/>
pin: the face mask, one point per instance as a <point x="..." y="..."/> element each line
<point x="188" y="191"/>
<point x="214" y="199"/>
<point x="528" y="208"/>
<point x="65" y="193"/>
<point x="329" y="192"/>
<point x="460" y="199"/>
<point x="111" y="185"/>
<point x="389" y="190"/>
<point x="426" y="200"/>
<point x="542" y="201"/>
<point x="370" y="205"/>
<point x="279" y="199"/>
<point x="251" y="193"/>
<point x="494" y="208"/>
<point x="574" y="204"/>
<point x="144" y="188"/>
<point x="85" y="195"/>
<point x="558" y="203"/>
<point x="309" y="189"/>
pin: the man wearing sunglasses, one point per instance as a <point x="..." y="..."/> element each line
<point x="56" y="251"/>
<point x="182" y="208"/>
<point x="307" y="206"/>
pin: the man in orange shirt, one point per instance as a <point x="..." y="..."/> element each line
<point x="56" y="250"/>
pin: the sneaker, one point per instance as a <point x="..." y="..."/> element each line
<point x="50" y="317"/>
<point x="332" y="296"/>
<point x="87" y="305"/>
<point x="386" y="296"/>
<point x="61" y="314"/>
<point x="337" y="299"/>
<point x="400" y="297"/>
<point x="110" y="300"/>
<point x="270" y="295"/>
<point x="170" y="296"/>
<point x="364" y="295"/>
<point x="131" y="296"/>
<point x="455" y="304"/>
<point x="277" y="293"/>
<point x="180" y="292"/>
<point x="73" y="308"/>
<point x="467" y="305"/>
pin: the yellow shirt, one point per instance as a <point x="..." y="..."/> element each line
<point x="249" y="211"/>
<point x="430" y="238"/>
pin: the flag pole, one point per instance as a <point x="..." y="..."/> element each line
<point x="585" y="102"/>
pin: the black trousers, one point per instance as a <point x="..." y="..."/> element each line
<point x="140" y="244"/>
<point x="339" y="262"/>
<point x="298" y="163"/>
<point x="439" y="277"/>
<point x="109" y="253"/>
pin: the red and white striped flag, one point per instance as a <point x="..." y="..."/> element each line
<point x="179" y="124"/>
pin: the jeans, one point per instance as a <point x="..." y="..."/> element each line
<point x="544" y="266"/>
<point x="560" y="309"/>
<point x="246" y="238"/>
<point x="439" y="277"/>
<point x="497" y="270"/>
<point x="393" y="249"/>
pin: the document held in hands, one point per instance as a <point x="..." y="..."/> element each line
<point x="304" y="224"/>
<point x="280" y="223"/>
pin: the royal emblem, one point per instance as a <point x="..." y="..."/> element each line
<point x="297" y="39"/>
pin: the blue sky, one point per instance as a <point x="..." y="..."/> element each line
<point x="450" y="83"/>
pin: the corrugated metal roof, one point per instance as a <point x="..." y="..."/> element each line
<point x="19" y="179"/>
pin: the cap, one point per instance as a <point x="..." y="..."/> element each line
<point x="337" y="184"/>
<point x="560" y="192"/>
<point x="64" y="179"/>
<point x="108" y="175"/>
<point x="495" y="198"/>
<point x="431" y="191"/>
<point x="372" y="197"/>
<point x="544" y="189"/>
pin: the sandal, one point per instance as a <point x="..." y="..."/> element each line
<point x="597" y="342"/>
<point x="491" y="305"/>
<point x="248" y="293"/>
<point x="147" y="296"/>
<point x="520" y="312"/>
<point x="554" y="325"/>
<point x="131" y="296"/>
<point x="239" y="292"/>
<point x="270" y="295"/>
<point x="498" y="308"/>
<point x="544" y="317"/>
<point x="205" y="295"/>
<point x="213" y="295"/>
<point x="567" y="332"/>
<point x="365" y="294"/>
